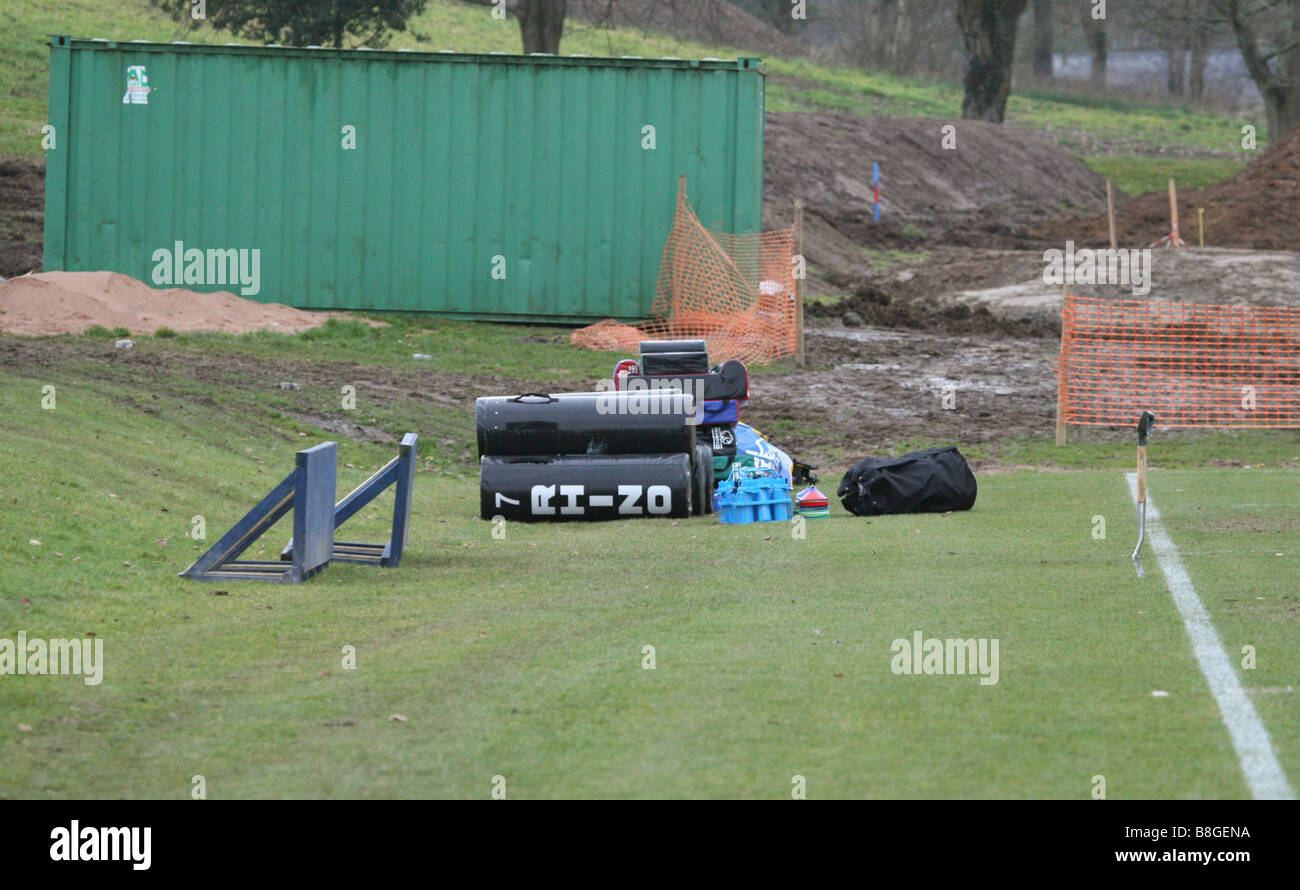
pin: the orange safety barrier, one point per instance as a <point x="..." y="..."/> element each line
<point x="735" y="291"/>
<point x="1193" y="365"/>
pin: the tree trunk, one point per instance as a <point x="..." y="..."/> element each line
<point x="897" y="42"/>
<point x="1282" y="107"/>
<point x="541" y="22"/>
<point x="988" y="30"/>
<point x="1200" y="56"/>
<point x="1094" y="34"/>
<point x="883" y="14"/>
<point x="1177" y="56"/>
<point x="1043" y="39"/>
<point x="1281" y="90"/>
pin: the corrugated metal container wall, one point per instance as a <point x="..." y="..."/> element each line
<point x="458" y="160"/>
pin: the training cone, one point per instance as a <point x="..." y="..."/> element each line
<point x="812" y="503"/>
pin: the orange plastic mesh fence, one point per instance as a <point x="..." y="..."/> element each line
<point x="735" y="291"/>
<point x="1190" y="364"/>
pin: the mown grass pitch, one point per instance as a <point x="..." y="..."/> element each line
<point x="523" y="657"/>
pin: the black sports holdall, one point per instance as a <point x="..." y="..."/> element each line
<point x="931" y="481"/>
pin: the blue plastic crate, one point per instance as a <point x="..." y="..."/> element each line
<point x="752" y="494"/>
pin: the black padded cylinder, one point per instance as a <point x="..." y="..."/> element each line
<point x="587" y="487"/>
<point x="648" y="347"/>
<point x="661" y="363"/>
<point x="644" y="422"/>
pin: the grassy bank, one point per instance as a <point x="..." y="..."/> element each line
<point x="524" y="657"/>
<point x="1078" y="121"/>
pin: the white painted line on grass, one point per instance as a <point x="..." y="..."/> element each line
<point x="1264" y="775"/>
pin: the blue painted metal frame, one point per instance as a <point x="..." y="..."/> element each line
<point x="309" y="492"/>
<point x="399" y="472"/>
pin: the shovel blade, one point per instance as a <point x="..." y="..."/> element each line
<point x="1142" y="536"/>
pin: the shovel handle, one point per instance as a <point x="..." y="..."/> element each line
<point x="1144" y="427"/>
<point x="1142" y="474"/>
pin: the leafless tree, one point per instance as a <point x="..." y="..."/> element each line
<point x="656" y="15"/>
<point x="899" y="36"/>
<point x="1095" y="35"/>
<point x="1273" y="65"/>
<point x="1042" y="39"/>
<point x="1181" y="28"/>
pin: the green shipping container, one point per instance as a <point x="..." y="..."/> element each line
<point x="483" y="186"/>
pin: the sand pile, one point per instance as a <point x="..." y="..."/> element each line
<point x="1256" y="208"/>
<point x="71" y="302"/>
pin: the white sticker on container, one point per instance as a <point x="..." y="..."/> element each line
<point x="137" y="86"/>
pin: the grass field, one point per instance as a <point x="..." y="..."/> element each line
<point x="1138" y="175"/>
<point x="1088" y="125"/>
<point x="523" y="657"/>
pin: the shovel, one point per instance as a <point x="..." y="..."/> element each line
<point x="1144" y="427"/>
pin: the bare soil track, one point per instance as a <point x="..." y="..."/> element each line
<point x="865" y="391"/>
<point x="872" y="389"/>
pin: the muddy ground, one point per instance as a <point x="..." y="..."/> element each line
<point x="996" y="292"/>
<point x="873" y="389"/>
<point x="864" y="392"/>
<point x="980" y="325"/>
<point x="22" y="216"/>
<point x="942" y="326"/>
